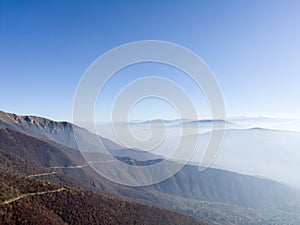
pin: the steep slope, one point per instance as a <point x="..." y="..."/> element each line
<point x="209" y="195"/>
<point x="62" y="159"/>
<point x="230" y="188"/>
<point x="63" y="134"/>
<point x="26" y="200"/>
<point x="60" y="132"/>
<point x="212" y="185"/>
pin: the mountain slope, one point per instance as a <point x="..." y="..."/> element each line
<point x="230" y="188"/>
<point x="26" y="200"/>
<point x="62" y="159"/>
<point x="63" y="134"/>
<point x="188" y="191"/>
<point x="212" y="184"/>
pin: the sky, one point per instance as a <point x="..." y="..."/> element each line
<point x="252" y="47"/>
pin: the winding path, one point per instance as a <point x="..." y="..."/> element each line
<point x="47" y="174"/>
<point x="81" y="166"/>
<point x="32" y="194"/>
<point x="40" y="174"/>
<point x="68" y="167"/>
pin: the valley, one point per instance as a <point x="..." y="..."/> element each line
<point x="211" y="196"/>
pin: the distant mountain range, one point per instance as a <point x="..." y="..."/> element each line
<point x="259" y="146"/>
<point x="177" y="121"/>
<point x="33" y="145"/>
<point x="237" y="122"/>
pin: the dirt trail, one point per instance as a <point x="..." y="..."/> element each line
<point x="68" y="167"/>
<point x="40" y="174"/>
<point x="32" y="194"/>
<point x="81" y="166"/>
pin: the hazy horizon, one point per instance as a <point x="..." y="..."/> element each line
<point x="141" y="106"/>
<point x="252" y="48"/>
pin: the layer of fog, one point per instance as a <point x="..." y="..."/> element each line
<point x="257" y="146"/>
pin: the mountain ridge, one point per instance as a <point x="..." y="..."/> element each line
<point x="186" y="188"/>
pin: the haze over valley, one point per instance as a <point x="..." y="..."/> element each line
<point x="211" y="196"/>
<point x="150" y="112"/>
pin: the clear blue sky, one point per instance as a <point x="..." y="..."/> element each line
<point x="253" y="48"/>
